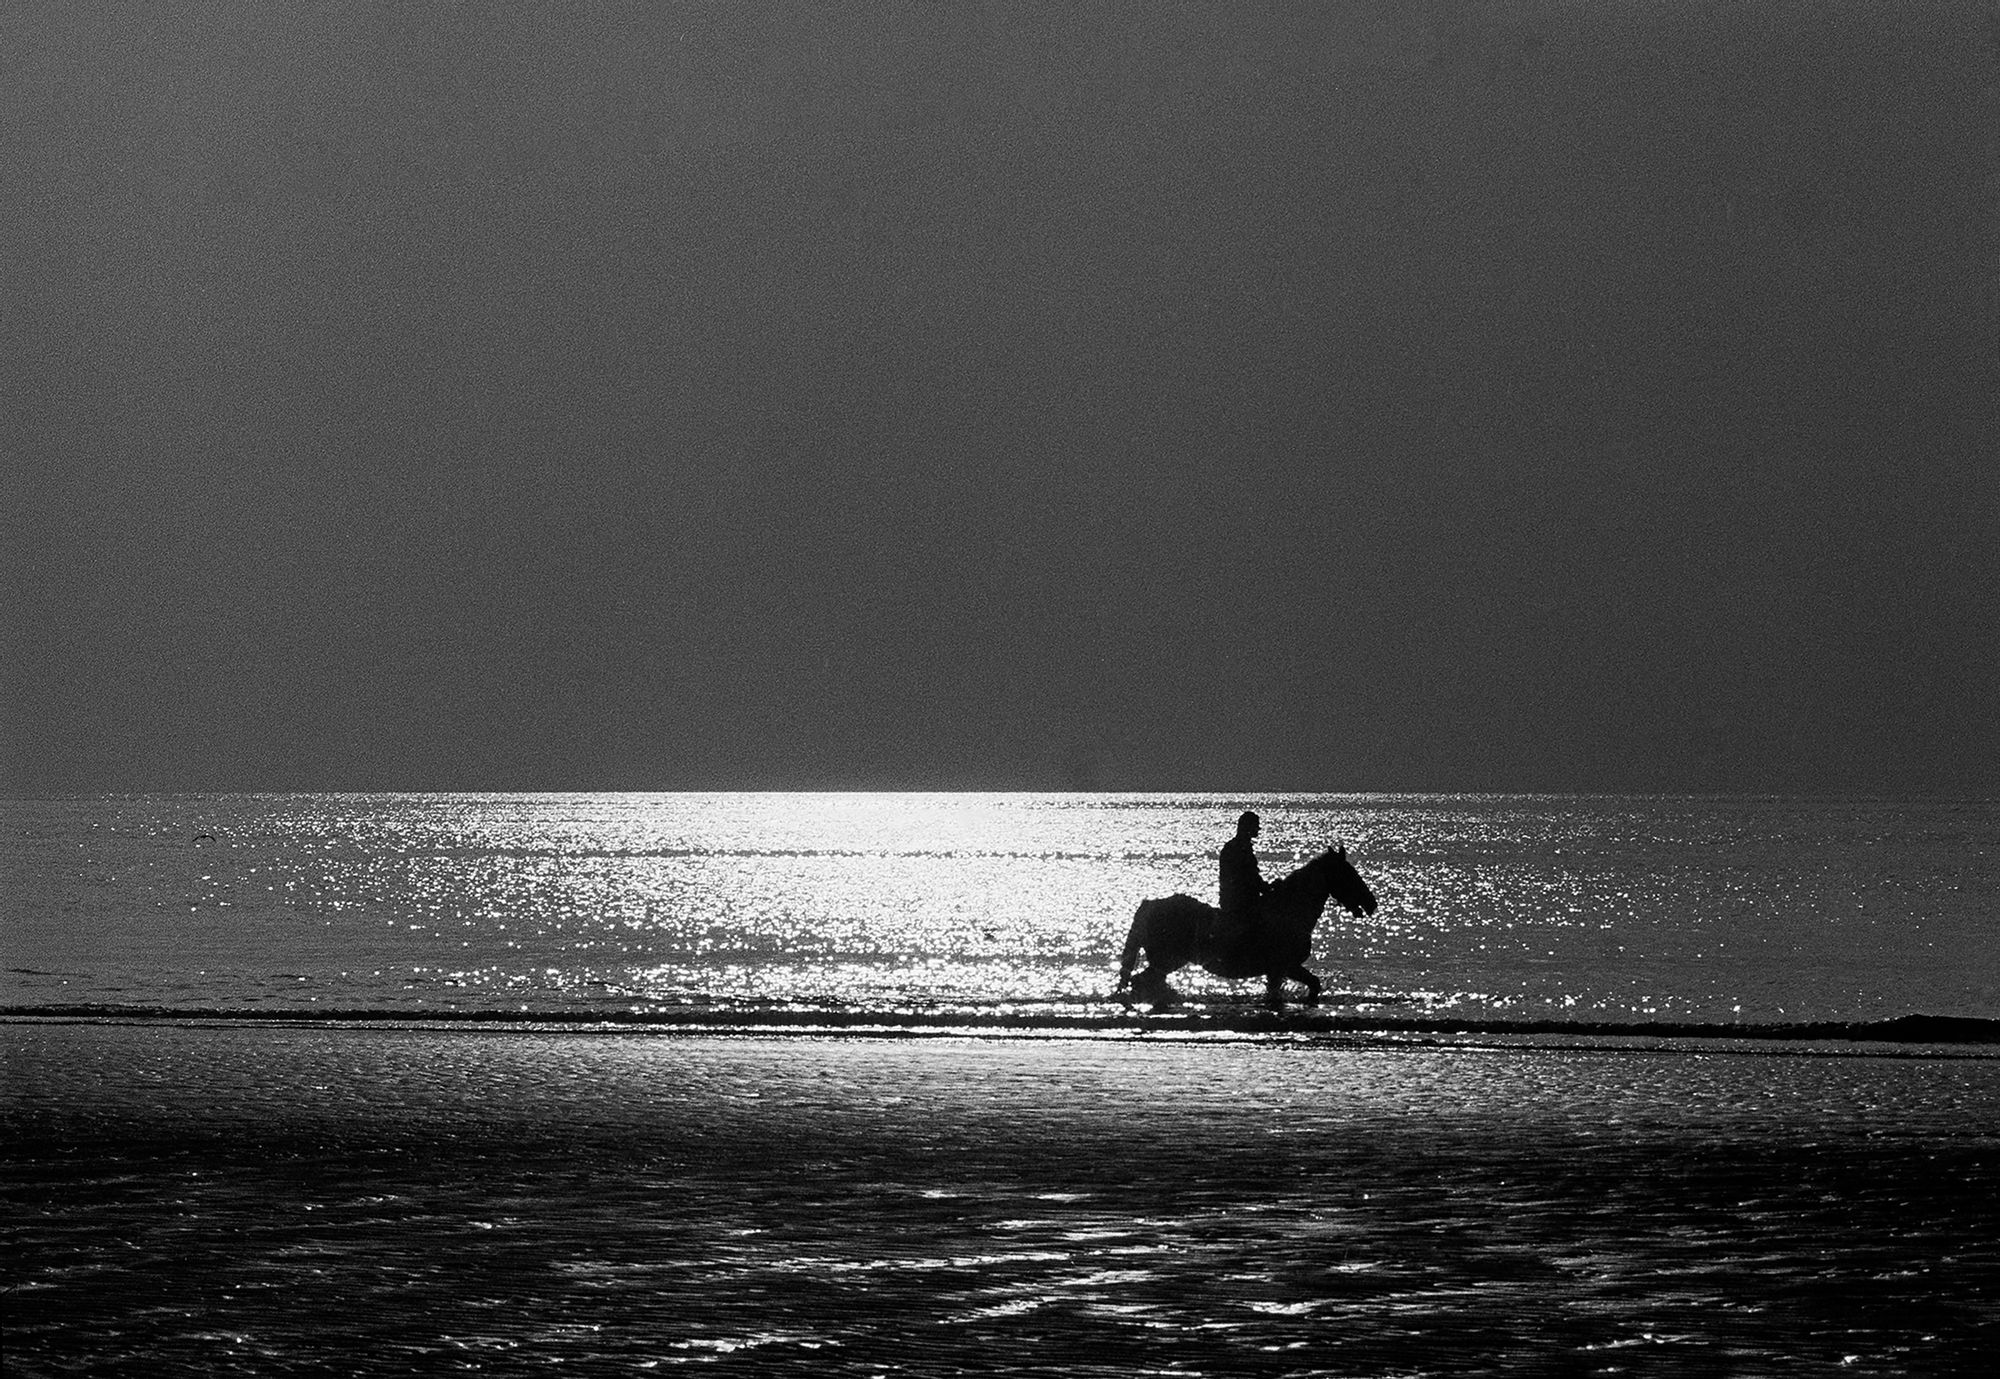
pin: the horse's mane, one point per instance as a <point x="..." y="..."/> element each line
<point x="1293" y="880"/>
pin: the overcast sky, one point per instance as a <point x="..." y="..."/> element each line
<point x="1339" y="396"/>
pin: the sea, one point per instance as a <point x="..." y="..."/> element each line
<point x="838" y="1084"/>
<point x="1006" y="909"/>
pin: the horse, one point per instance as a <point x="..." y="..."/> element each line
<point x="1179" y="930"/>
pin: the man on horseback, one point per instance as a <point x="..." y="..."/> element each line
<point x="1260" y="930"/>
<point x="1240" y="886"/>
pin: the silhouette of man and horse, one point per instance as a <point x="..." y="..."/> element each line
<point x="1261" y="929"/>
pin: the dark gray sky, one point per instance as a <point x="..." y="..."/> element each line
<point x="1321" y="396"/>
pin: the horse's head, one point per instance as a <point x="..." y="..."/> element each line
<point x="1344" y="883"/>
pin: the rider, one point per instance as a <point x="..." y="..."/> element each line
<point x="1240" y="885"/>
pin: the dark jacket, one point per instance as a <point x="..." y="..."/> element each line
<point x="1240" y="886"/>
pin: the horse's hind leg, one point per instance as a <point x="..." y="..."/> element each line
<point x="1134" y="943"/>
<point x="1134" y="987"/>
<point x="1151" y="985"/>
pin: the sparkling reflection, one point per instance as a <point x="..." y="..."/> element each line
<point x="1517" y="906"/>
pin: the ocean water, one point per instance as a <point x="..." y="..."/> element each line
<point x="221" y="1197"/>
<point x="833" y="1084"/>
<point x="1004" y="908"/>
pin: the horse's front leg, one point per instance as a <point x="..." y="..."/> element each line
<point x="1274" y="990"/>
<point x="1302" y="974"/>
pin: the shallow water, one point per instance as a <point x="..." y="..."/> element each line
<point x="373" y="1189"/>
<point x="266" y="1200"/>
<point x="1719" y="911"/>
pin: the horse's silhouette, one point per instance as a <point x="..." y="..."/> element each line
<point x="1179" y="930"/>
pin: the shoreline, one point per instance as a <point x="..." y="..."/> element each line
<point x="1949" y="1035"/>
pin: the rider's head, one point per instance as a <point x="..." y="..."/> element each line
<point x="1249" y="824"/>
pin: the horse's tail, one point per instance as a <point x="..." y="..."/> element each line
<point x="1134" y="941"/>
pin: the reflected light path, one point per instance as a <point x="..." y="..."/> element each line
<point x="1513" y="906"/>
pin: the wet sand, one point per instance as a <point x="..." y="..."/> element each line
<point x="231" y="1198"/>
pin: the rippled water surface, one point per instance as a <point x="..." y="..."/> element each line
<point x="242" y="1137"/>
<point x="279" y="1200"/>
<point x="1634" y="908"/>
